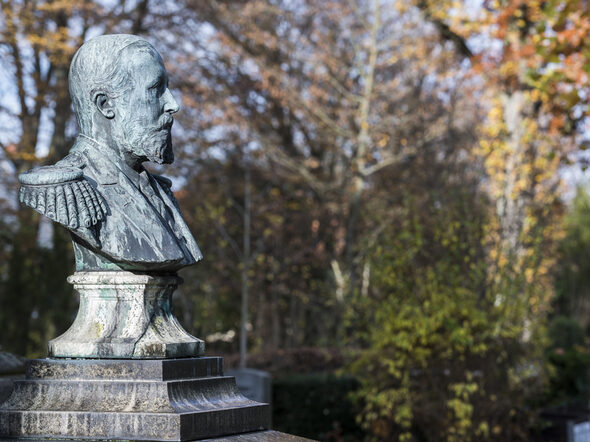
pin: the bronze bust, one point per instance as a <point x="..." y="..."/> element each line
<point x="121" y="217"/>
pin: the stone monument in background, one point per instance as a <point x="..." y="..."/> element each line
<point x="125" y="369"/>
<point x="12" y="368"/>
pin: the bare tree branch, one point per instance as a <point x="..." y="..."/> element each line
<point x="228" y="238"/>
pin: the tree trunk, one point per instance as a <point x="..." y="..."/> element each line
<point x="245" y="267"/>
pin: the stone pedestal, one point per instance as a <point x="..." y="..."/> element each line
<point x="125" y="315"/>
<point x="12" y="367"/>
<point x="127" y="370"/>
<point x="159" y="400"/>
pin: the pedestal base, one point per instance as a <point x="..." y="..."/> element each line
<point x="159" y="400"/>
<point x="125" y="315"/>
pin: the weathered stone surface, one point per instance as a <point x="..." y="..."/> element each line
<point x="106" y="369"/>
<point x="6" y="385"/>
<point x="261" y="436"/>
<point x="175" y="400"/>
<point x="256" y="436"/>
<point x="12" y="367"/>
<point x="125" y="315"/>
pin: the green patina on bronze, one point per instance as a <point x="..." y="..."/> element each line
<point x="121" y="216"/>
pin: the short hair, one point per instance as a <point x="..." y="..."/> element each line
<point x="96" y="67"/>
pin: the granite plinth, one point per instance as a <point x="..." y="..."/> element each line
<point x="125" y="315"/>
<point x="261" y="436"/>
<point x="12" y="367"/>
<point x="159" y="400"/>
<point x="256" y="436"/>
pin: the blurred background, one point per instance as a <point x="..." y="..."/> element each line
<point x="397" y="188"/>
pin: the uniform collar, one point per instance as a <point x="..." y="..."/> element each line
<point x="108" y="167"/>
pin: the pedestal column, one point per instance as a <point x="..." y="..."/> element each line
<point x="125" y="315"/>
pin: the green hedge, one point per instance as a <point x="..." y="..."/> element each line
<point x="316" y="406"/>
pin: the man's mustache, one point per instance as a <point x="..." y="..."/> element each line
<point x="165" y="122"/>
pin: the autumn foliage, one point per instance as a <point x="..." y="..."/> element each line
<point x="383" y="178"/>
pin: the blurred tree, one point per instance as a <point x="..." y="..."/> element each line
<point x="439" y="364"/>
<point x="569" y="364"/>
<point x="533" y="126"/>
<point x="572" y="284"/>
<point x="568" y="353"/>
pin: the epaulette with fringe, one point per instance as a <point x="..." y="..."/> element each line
<point x="63" y="195"/>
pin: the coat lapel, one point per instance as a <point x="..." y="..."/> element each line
<point x="134" y="231"/>
<point x="182" y="230"/>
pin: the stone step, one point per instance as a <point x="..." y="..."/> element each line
<point x="172" y="400"/>
<point x="137" y="426"/>
<point x="157" y="369"/>
<point x="126" y="396"/>
<point x="256" y="436"/>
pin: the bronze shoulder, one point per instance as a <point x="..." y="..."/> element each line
<point x="62" y="194"/>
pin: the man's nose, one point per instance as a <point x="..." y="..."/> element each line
<point x="170" y="104"/>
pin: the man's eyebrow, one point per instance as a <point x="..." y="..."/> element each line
<point x="159" y="80"/>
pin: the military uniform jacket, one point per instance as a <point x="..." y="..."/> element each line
<point x="115" y="214"/>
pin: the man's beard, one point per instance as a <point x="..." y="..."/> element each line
<point x="152" y="142"/>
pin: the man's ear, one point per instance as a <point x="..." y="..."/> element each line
<point x="104" y="104"/>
